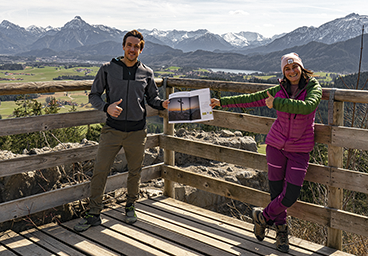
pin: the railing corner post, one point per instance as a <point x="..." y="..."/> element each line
<point x="169" y="155"/>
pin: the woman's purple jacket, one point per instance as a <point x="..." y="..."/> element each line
<point x="293" y="129"/>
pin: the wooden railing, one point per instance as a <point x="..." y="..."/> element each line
<point x="335" y="135"/>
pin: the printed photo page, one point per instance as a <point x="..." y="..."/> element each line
<point x="190" y="106"/>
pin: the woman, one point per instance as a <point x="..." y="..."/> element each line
<point x="289" y="141"/>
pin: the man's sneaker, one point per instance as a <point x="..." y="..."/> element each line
<point x="130" y="215"/>
<point x="282" y="240"/>
<point x="87" y="221"/>
<point x="259" y="223"/>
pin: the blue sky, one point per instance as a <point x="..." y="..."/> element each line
<point x="263" y="16"/>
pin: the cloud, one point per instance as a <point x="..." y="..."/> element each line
<point x="239" y="12"/>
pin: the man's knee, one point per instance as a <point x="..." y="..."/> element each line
<point x="291" y="195"/>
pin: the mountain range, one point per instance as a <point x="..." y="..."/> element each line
<point x="334" y="46"/>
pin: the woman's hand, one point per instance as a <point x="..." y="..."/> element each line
<point x="215" y="103"/>
<point x="269" y="100"/>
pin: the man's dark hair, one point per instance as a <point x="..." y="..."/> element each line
<point x="136" y="34"/>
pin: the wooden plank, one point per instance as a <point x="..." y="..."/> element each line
<point x="116" y="241"/>
<point x="169" y="155"/>
<point x="50" y="122"/>
<point x="36" y="203"/>
<point x="216" y="186"/>
<point x="178" y="228"/>
<point x="240" y="236"/>
<point x="56" y="121"/>
<point x="78" y="241"/>
<point x="302" y="210"/>
<point x="177" y="240"/>
<point x="241" y="87"/>
<point x="237" y="237"/>
<point x="50" y="86"/>
<point x="53" y="244"/>
<point x="338" y="177"/>
<point x="68" y="156"/>
<point x="351" y="222"/>
<point x="5" y="252"/>
<point x="45" y="87"/>
<point x="234" y="225"/>
<point x="350" y="180"/>
<point x="156" y="242"/>
<point x="214" y="152"/>
<point x="335" y="159"/>
<point x="347" y="95"/>
<point x="349" y="137"/>
<point x="21" y="245"/>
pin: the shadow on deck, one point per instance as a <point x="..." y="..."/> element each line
<point x="165" y="227"/>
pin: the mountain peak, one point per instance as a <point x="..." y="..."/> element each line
<point x="76" y="23"/>
<point x="7" y="24"/>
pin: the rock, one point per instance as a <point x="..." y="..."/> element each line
<point x="227" y="134"/>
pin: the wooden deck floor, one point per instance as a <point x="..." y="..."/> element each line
<point x="165" y="227"/>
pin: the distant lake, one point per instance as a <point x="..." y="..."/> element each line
<point x="235" y="71"/>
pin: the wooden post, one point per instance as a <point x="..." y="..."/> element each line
<point x="335" y="159"/>
<point x="169" y="155"/>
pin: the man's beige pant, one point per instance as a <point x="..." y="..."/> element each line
<point x="111" y="141"/>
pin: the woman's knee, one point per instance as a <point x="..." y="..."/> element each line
<point x="291" y="195"/>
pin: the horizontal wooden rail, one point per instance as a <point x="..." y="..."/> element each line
<point x="44" y="201"/>
<point x="329" y="217"/>
<point x="339" y="136"/>
<point x="68" y="156"/>
<point x="337" y="177"/>
<point x="49" y="86"/>
<point x="345" y="95"/>
<point x="45" y="87"/>
<point x="259" y="124"/>
<point x="55" y="121"/>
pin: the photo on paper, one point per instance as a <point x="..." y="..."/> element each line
<point x="184" y="109"/>
<point x="190" y="106"/>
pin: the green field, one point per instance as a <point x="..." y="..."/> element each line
<point x="79" y="97"/>
<point x="47" y="73"/>
<point x="262" y="148"/>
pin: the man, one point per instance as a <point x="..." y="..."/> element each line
<point x="127" y="82"/>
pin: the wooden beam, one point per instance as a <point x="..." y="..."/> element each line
<point x="50" y="86"/>
<point x="216" y="186"/>
<point x="40" y="202"/>
<point x="214" y="152"/>
<point x="41" y="161"/>
<point x="169" y="155"/>
<point x="338" y="177"/>
<point x="349" y="137"/>
<point x="346" y="95"/>
<point x="329" y="217"/>
<point x="55" y="121"/>
<point x="335" y="159"/>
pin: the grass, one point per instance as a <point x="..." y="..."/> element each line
<point x="47" y="73"/>
<point x="262" y="149"/>
<point x="80" y="97"/>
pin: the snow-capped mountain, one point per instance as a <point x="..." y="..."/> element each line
<point x="78" y="33"/>
<point x="244" y="39"/>
<point x="331" y="32"/>
<point x="185" y="40"/>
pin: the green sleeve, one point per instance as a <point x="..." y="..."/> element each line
<point x="307" y="106"/>
<point x="255" y="99"/>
